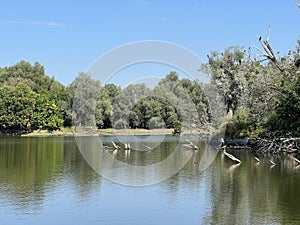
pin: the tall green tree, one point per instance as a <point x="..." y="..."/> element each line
<point x="112" y="90"/>
<point x="23" y="109"/>
<point x="17" y="106"/>
<point x="228" y="75"/>
<point x="34" y="75"/>
<point x="103" y="108"/>
<point x="47" y="94"/>
<point x="195" y="91"/>
<point x="185" y="97"/>
<point x="47" y="114"/>
<point x="84" y="92"/>
<point x="152" y="112"/>
<point x="124" y="102"/>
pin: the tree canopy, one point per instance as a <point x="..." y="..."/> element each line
<point x="29" y="99"/>
<point x="261" y="94"/>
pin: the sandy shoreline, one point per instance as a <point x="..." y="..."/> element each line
<point x="102" y="132"/>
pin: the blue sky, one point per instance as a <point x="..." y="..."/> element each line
<point x="67" y="36"/>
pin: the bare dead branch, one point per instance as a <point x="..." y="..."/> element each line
<point x="296" y="160"/>
<point x="268" y="52"/>
<point x="250" y="58"/>
<point x="265" y="47"/>
<point x="275" y="144"/>
<point x="260" y="51"/>
<point x="262" y="60"/>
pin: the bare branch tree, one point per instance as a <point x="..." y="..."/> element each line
<point x="267" y="51"/>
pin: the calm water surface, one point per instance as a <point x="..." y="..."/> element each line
<point x="47" y="181"/>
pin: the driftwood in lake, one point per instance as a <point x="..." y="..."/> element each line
<point x="115" y="145"/>
<point x="296" y="160"/>
<point x="190" y="145"/>
<point x="127" y="146"/>
<point x="276" y="143"/>
<point x="232" y="157"/>
<point x="257" y="159"/>
<point x="149" y="148"/>
<point x="272" y="162"/>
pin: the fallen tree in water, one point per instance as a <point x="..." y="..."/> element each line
<point x="275" y="143"/>
<point x="233" y="158"/>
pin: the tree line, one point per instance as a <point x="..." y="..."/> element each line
<point x="173" y="103"/>
<point x="31" y="100"/>
<point x="260" y="94"/>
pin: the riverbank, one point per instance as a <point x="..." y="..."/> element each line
<point x="138" y="131"/>
<point x="101" y="132"/>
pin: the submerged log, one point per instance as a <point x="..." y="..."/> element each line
<point x="126" y="146"/>
<point x="272" y="162"/>
<point x="297" y="167"/>
<point x="149" y="148"/>
<point x="232" y="157"/>
<point x="257" y="159"/>
<point x="236" y="143"/>
<point x="296" y="160"/>
<point x="190" y="145"/>
<point x="115" y="145"/>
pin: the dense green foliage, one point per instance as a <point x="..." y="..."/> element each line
<point x="29" y="99"/>
<point x="173" y="103"/>
<point x="286" y="115"/>
<point x="260" y="96"/>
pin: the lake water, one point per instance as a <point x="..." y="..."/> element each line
<point x="45" y="180"/>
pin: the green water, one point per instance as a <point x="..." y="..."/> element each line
<point x="47" y="181"/>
